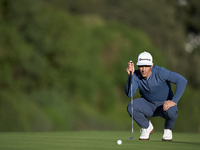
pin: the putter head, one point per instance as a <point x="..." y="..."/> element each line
<point x="130" y="138"/>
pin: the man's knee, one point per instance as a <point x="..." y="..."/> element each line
<point x="129" y="109"/>
<point x="172" y="112"/>
<point x="134" y="107"/>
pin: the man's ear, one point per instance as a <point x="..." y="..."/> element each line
<point x="152" y="65"/>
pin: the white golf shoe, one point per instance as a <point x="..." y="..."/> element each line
<point x="145" y="133"/>
<point x="167" y="135"/>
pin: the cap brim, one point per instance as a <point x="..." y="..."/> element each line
<point x="144" y="63"/>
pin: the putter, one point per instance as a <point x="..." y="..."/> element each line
<point x="131" y="104"/>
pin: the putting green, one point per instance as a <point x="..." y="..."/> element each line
<point x="95" y="140"/>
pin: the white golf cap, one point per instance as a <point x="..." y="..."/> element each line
<point x="145" y="58"/>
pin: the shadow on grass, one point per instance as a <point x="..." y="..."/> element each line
<point x="183" y="142"/>
<point x="180" y="142"/>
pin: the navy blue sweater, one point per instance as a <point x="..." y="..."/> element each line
<point x="158" y="86"/>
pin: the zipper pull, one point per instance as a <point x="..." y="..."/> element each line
<point x="148" y="85"/>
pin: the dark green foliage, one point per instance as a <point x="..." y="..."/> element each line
<point x="62" y="63"/>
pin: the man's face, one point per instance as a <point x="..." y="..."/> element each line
<point x="145" y="71"/>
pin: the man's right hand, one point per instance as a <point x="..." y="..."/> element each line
<point x="130" y="67"/>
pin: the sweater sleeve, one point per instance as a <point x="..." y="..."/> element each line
<point x="177" y="79"/>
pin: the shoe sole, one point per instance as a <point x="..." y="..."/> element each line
<point x="149" y="135"/>
<point x="166" y="139"/>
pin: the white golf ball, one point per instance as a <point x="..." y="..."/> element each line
<point x="119" y="142"/>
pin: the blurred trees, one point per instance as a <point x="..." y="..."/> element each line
<point x="63" y="62"/>
<point x="168" y="23"/>
<point x="189" y="15"/>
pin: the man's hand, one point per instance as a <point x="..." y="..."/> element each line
<point x="167" y="104"/>
<point x="130" y="67"/>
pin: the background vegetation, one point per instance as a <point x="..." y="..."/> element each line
<point x="62" y="63"/>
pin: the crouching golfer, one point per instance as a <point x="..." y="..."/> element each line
<point x="157" y="98"/>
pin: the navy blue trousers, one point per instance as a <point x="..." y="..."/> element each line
<point x="143" y="109"/>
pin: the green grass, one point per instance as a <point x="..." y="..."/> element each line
<point x="95" y="140"/>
